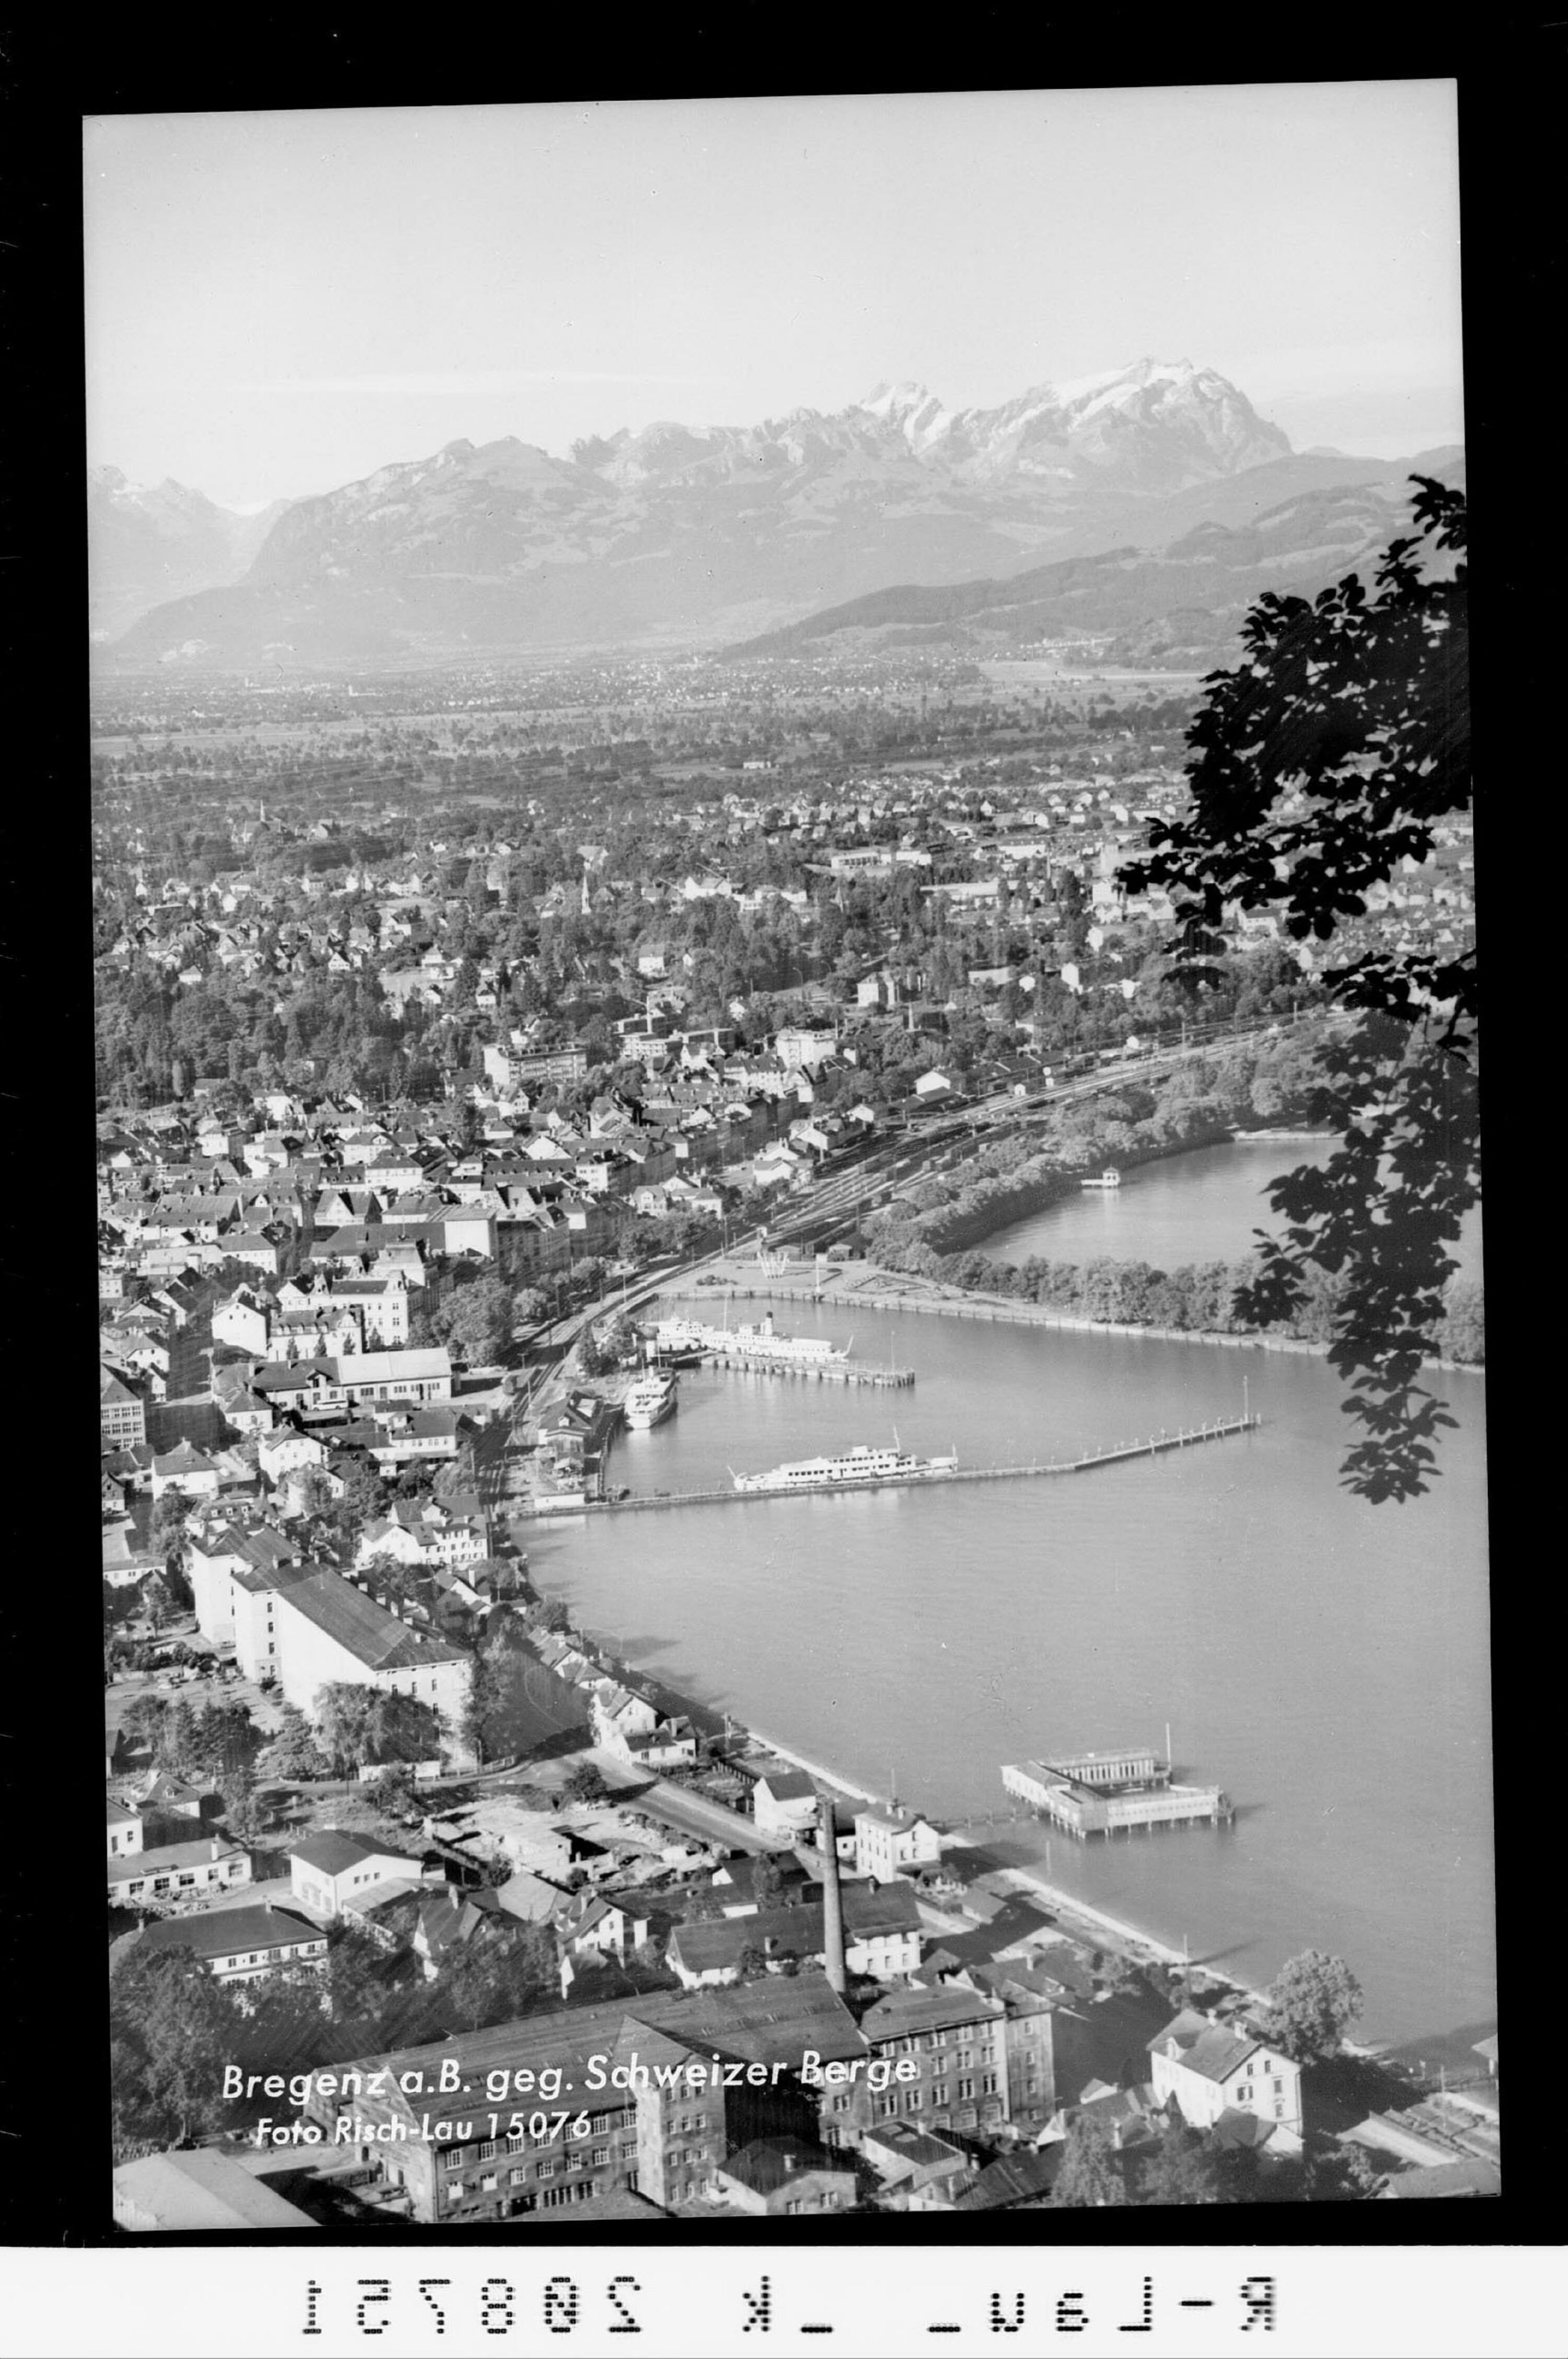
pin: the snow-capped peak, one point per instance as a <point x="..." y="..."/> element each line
<point x="894" y="401"/>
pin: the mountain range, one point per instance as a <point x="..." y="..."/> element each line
<point x="685" y="536"/>
<point x="147" y="544"/>
<point x="1176" y="608"/>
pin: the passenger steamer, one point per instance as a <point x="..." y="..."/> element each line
<point x="650" y="1400"/>
<point x="858" y="1466"/>
<point x="685" y="1339"/>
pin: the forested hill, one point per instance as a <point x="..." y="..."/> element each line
<point x="1179" y="606"/>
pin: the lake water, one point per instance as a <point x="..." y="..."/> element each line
<point x="1324" y="1660"/>
<point x="1200" y="1207"/>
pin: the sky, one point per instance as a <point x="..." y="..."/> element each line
<point x="278" y="303"/>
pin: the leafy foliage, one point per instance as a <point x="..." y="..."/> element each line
<point x="171" y="2029"/>
<point x="1321" y="763"/>
<point x="294" y="1753"/>
<point x="1183" y="2169"/>
<point x="1313" y="2001"/>
<point x="360" y="1725"/>
<point x="1090" y="2177"/>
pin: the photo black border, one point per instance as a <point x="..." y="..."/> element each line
<point x="1510" y="78"/>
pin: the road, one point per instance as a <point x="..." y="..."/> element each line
<point x="694" y="1814"/>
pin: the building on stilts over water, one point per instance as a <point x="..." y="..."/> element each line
<point x="1126" y="1789"/>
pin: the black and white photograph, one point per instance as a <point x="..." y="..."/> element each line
<point x="790" y="1285"/>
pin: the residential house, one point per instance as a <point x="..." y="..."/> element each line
<point x="609" y="1924"/>
<point x="286" y="1450"/>
<point x="176" y="1872"/>
<point x="124" y="1830"/>
<point x="783" y="2176"/>
<point x="420" y="1434"/>
<point x="122" y="1416"/>
<point x="919" y="2165"/>
<point x="241" y="1945"/>
<point x="187" y="1470"/>
<point x="882" y="1939"/>
<point x="784" y="1803"/>
<point x="887" y="1842"/>
<point x="1210" y="2067"/>
<point x="329" y="1871"/>
<point x="242" y="1320"/>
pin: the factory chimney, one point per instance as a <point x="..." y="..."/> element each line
<point x="832" y="1898"/>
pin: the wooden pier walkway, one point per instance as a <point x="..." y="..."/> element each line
<point x="1116" y="1453"/>
<point x="832" y="1371"/>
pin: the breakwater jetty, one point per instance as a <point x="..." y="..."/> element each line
<point x="1112" y="1454"/>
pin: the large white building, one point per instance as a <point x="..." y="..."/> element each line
<point x="308" y="1626"/>
<point x="886" y="1841"/>
<point x="1215" y="2068"/>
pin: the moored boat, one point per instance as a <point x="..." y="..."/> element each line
<point x="860" y="1465"/>
<point x="650" y="1400"/>
<point x="1109" y="1178"/>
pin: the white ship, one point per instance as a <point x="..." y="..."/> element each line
<point x="676" y="1337"/>
<point x="1109" y="1178"/>
<point x="651" y="1398"/>
<point x="860" y="1464"/>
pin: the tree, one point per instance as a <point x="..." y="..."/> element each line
<point x="157" y="1599"/>
<point x="752" y="1964"/>
<point x="497" y="1974"/>
<point x="168" y="1524"/>
<point x="315" y="1491"/>
<point x="343" y="1718"/>
<point x="1090" y="2177"/>
<point x="142" y="1718"/>
<point x="476" y="1319"/>
<point x="225" y="1738"/>
<point x="585" y="1783"/>
<point x="484" y="1704"/>
<point x="354" y="1980"/>
<point x="177" y="1745"/>
<point x="767" y="1881"/>
<point x="1330" y="756"/>
<point x="364" y="1495"/>
<point x="242" y="1812"/>
<point x="1348" y="2175"/>
<point x="293" y="1753"/>
<point x="173" y="2029"/>
<point x="1183" y="2169"/>
<point x="1313" y="2001"/>
<point x="393" y="1789"/>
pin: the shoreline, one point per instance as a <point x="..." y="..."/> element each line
<point x="1000" y="1309"/>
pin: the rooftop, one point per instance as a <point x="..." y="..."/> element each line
<point x="221" y="1932"/>
<point x="200" y="2188"/>
<point x="332" y="1852"/>
<point x="378" y="1638"/>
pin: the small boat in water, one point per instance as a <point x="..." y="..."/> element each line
<point x="1109" y="1178"/>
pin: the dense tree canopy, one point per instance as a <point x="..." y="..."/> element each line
<point x="1325" y="761"/>
<point x="1313" y="2001"/>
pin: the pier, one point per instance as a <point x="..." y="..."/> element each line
<point x="832" y="1371"/>
<point x="1116" y="1453"/>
